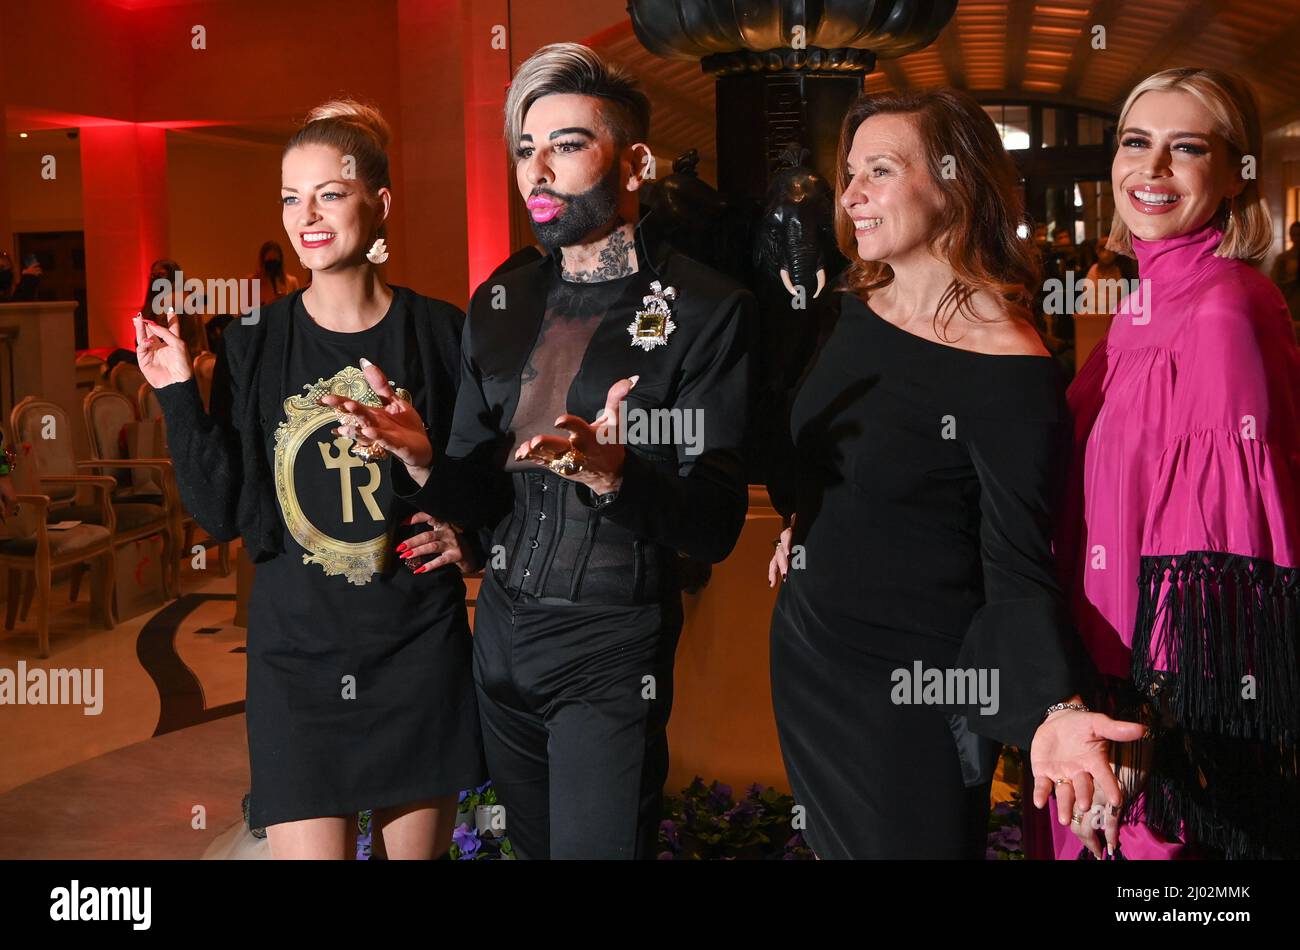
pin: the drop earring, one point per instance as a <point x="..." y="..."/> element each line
<point x="378" y="252"/>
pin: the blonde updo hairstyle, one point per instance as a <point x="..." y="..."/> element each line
<point x="1244" y="220"/>
<point x="352" y="128"/>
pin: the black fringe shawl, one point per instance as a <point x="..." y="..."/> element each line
<point x="1224" y="764"/>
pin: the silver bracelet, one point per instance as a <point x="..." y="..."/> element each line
<point x="1059" y="706"/>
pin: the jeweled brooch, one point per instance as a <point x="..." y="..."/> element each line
<point x="654" y="321"/>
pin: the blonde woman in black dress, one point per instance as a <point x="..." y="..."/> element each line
<point x="359" y="687"/>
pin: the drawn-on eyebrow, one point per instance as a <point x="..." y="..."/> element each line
<point x="332" y="181"/>
<point x="1180" y="134"/>
<point x="527" y="136"/>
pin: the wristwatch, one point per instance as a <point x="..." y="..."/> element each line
<point x="605" y="500"/>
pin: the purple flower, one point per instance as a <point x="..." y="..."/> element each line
<point x="461" y="797"/>
<point x="484" y="787"/>
<point x="720" y="795"/>
<point x="666" y="856"/>
<point x="745" y="809"/>
<point x="466" y="839"/>
<point x="670" y="832"/>
<point x="990" y="854"/>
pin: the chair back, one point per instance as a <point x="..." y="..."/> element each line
<point x="25" y="482"/>
<point x="43" y="433"/>
<point x="147" y="404"/>
<point x="146" y="401"/>
<point x="108" y="413"/>
<point x="126" y="378"/>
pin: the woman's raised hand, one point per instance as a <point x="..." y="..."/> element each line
<point x="395" y="425"/>
<point x="160" y="351"/>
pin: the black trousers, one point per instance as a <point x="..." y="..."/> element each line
<point x="574" y="701"/>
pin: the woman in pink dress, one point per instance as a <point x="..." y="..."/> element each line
<point x="1180" y="542"/>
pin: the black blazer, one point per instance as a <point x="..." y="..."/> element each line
<point x="226" y="481"/>
<point x="670" y="500"/>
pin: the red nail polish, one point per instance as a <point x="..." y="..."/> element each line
<point x="401" y="547"/>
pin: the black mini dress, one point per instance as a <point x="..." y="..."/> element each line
<point x="360" y="693"/>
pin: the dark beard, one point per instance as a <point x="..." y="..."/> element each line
<point x="582" y="213"/>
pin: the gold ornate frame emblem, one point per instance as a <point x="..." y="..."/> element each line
<point x="358" y="560"/>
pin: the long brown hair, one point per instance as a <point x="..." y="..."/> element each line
<point x="983" y="208"/>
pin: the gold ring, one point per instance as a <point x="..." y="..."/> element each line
<point x="570" y="463"/>
<point x="1078" y="818"/>
<point x="369" y="452"/>
<point x="1063" y="781"/>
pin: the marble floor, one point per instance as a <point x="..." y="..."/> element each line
<point x="161" y="768"/>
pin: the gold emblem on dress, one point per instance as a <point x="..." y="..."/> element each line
<point x="358" y="560"/>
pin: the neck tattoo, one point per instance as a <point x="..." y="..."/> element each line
<point x="617" y="259"/>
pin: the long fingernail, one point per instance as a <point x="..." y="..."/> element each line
<point x="365" y="362"/>
<point x="635" y="379"/>
<point x="1110" y="849"/>
<point x="401" y="547"/>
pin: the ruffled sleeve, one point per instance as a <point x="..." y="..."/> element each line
<point x="1217" y="631"/>
<point x="1023" y="631"/>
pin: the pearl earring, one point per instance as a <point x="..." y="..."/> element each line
<point x="378" y="252"/>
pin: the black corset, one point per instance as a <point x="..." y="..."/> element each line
<point x="555" y="545"/>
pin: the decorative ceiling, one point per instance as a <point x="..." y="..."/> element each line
<point x="1026" y="50"/>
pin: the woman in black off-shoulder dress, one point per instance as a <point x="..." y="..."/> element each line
<point x="919" y="478"/>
